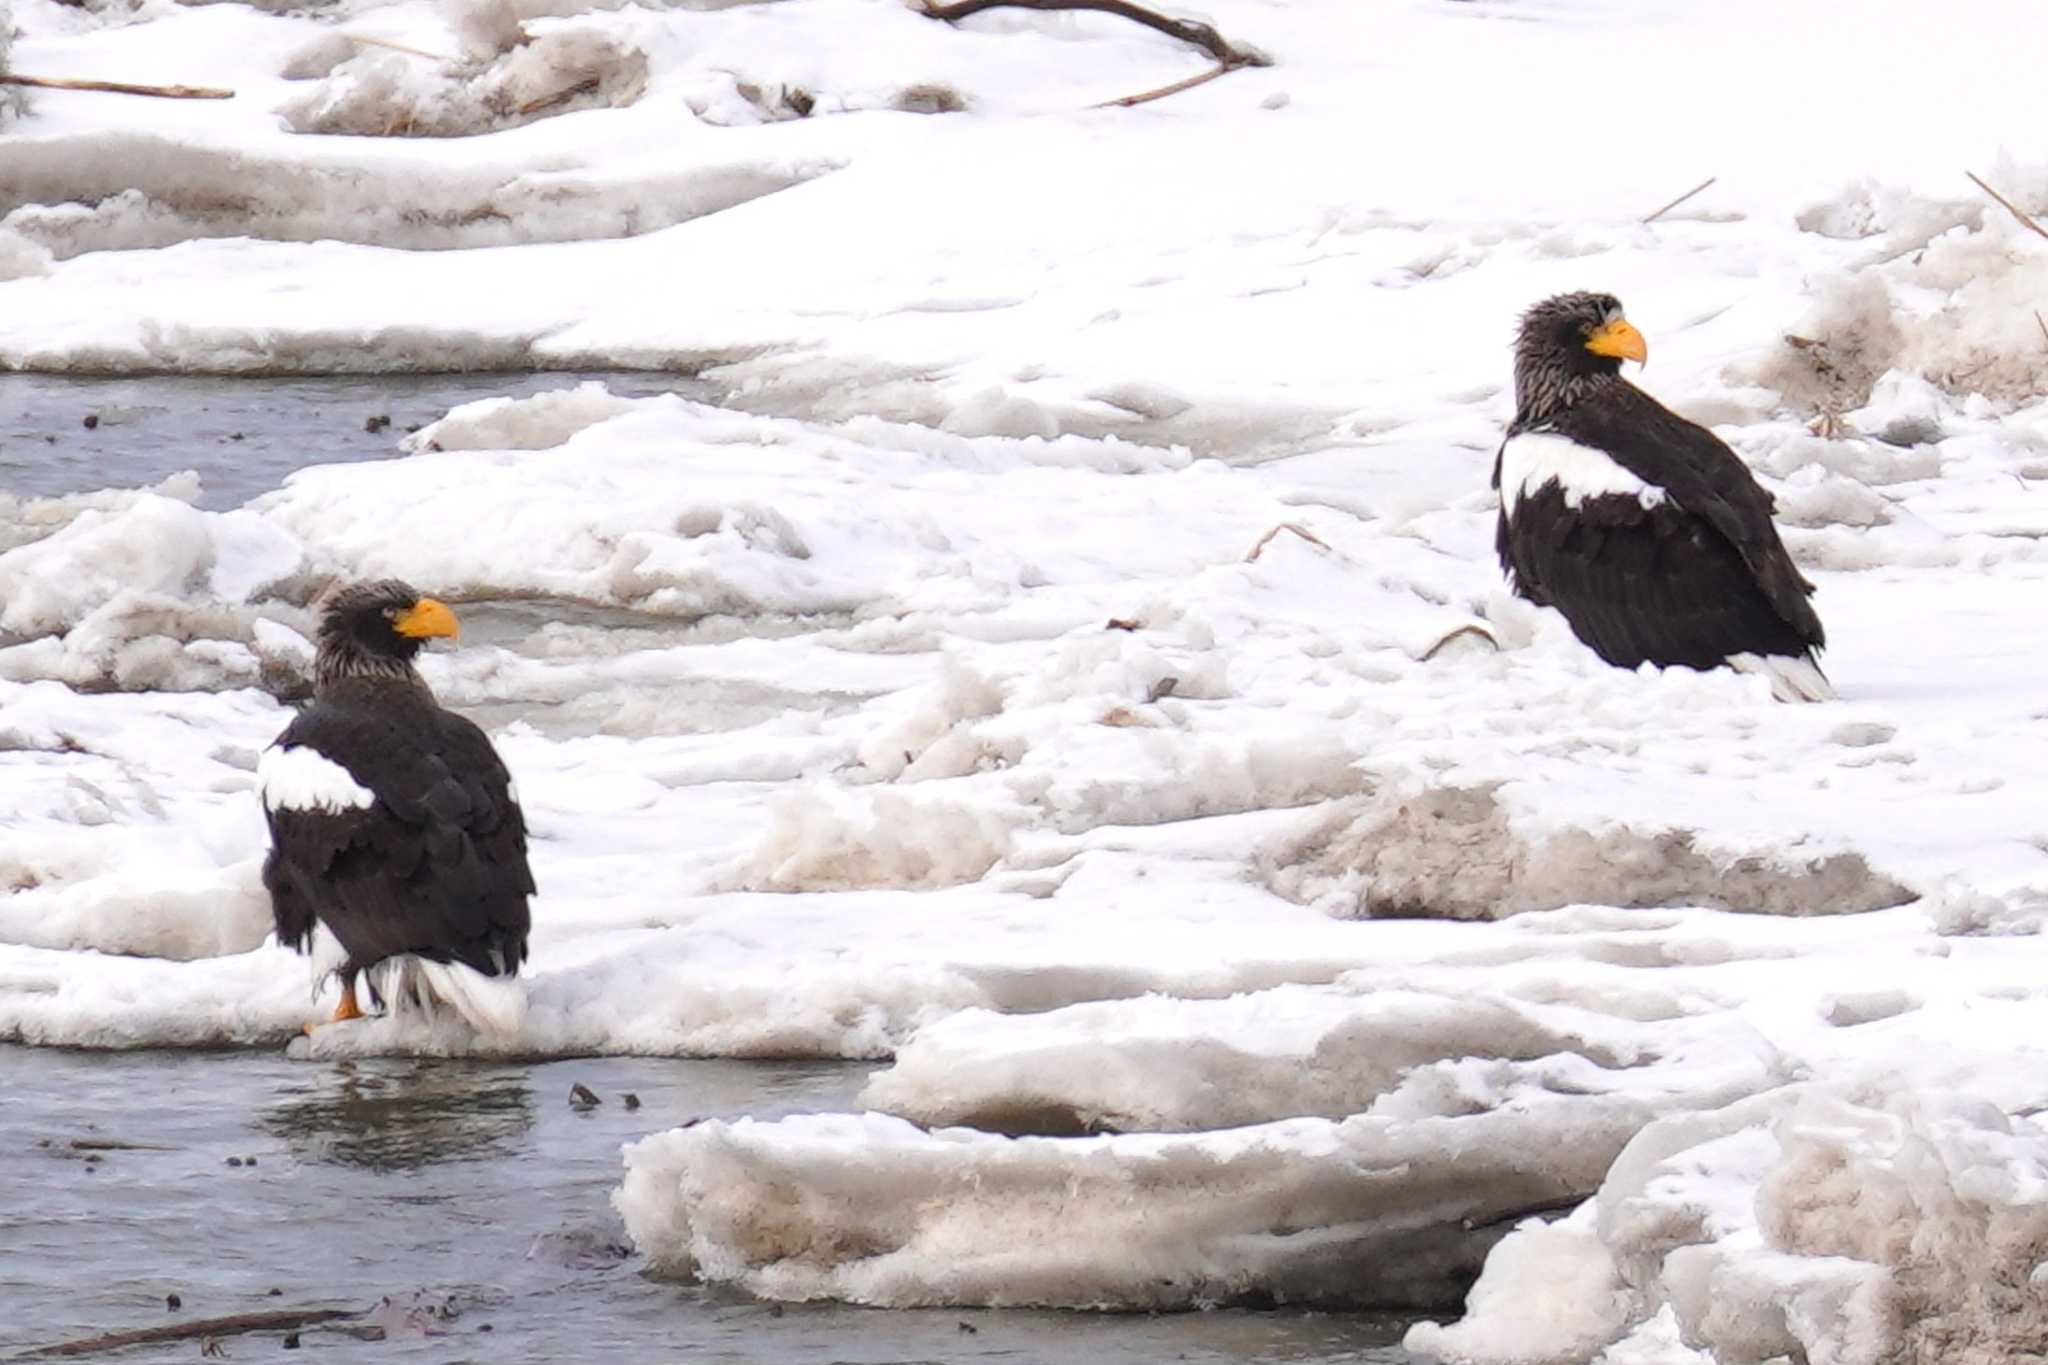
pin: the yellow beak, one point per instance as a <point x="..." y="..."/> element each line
<point x="426" y="619"/>
<point x="1620" y="340"/>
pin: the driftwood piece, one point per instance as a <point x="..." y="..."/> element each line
<point x="1228" y="55"/>
<point x="166" y="92"/>
<point x="285" y="1319"/>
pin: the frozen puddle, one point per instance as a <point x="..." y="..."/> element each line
<point x="474" y="1198"/>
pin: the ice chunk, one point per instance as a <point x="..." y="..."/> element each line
<point x="1157" y="1064"/>
<point x="874" y="1210"/>
<point x="539" y="422"/>
<point x="1549" y="1296"/>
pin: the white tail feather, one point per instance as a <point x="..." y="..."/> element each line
<point x="491" y="1004"/>
<point x="1792" y="678"/>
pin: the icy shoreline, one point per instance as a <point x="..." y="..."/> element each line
<point x="1235" y="913"/>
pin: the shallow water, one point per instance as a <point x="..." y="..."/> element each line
<point x="243" y="436"/>
<point x="474" y="1192"/>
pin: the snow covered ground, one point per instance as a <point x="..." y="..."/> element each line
<point x="1233" y="926"/>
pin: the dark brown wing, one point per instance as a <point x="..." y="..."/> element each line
<point x="1699" y="473"/>
<point x="436" y="865"/>
<point x="1643" y="584"/>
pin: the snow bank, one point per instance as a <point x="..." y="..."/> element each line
<point x="389" y="94"/>
<point x="71" y="196"/>
<point x="1803" y="1224"/>
<point x="129" y="830"/>
<point x="823" y="840"/>
<point x="1932" y="296"/>
<point x="141" y="591"/>
<point x="1454" y="851"/>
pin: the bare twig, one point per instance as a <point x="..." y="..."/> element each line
<point x="368" y="41"/>
<point x="1681" y="199"/>
<point x="1203" y="78"/>
<point x="1187" y="30"/>
<point x="2014" y="209"/>
<point x="1475" y="632"/>
<point x="279" y="1319"/>
<point x="168" y="92"/>
<point x="2042" y="324"/>
<point x="1295" y="527"/>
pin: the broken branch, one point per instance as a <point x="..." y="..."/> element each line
<point x="168" y="92"/>
<point x="2014" y="209"/>
<point x="1681" y="199"/>
<point x="286" y="1319"/>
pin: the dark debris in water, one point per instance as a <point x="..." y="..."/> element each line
<point x="421" y="1313"/>
<point x="585" y="1248"/>
<point x="582" y="1096"/>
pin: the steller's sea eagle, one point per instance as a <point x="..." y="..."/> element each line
<point x="393" y="822"/>
<point x="1643" y="529"/>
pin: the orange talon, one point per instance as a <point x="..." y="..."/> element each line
<point x="345" y="1011"/>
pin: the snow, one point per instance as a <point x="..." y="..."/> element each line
<point x="1232" y="913"/>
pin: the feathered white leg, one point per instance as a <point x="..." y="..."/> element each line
<point x="491" y="1004"/>
<point x="1792" y="678"/>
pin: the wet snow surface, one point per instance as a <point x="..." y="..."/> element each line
<point x="1051" y="647"/>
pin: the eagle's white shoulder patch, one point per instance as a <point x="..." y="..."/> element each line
<point x="300" y="778"/>
<point x="1535" y="458"/>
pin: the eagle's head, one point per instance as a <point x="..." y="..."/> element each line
<point x="1566" y="343"/>
<point x="375" y="629"/>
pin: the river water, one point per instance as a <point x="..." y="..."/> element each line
<point x="460" y="1209"/>
<point x="242" y="436"/>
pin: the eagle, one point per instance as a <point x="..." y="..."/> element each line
<point x="394" y="823"/>
<point x="1644" y="530"/>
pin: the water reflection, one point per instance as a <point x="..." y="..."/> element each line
<point x="397" y="1114"/>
